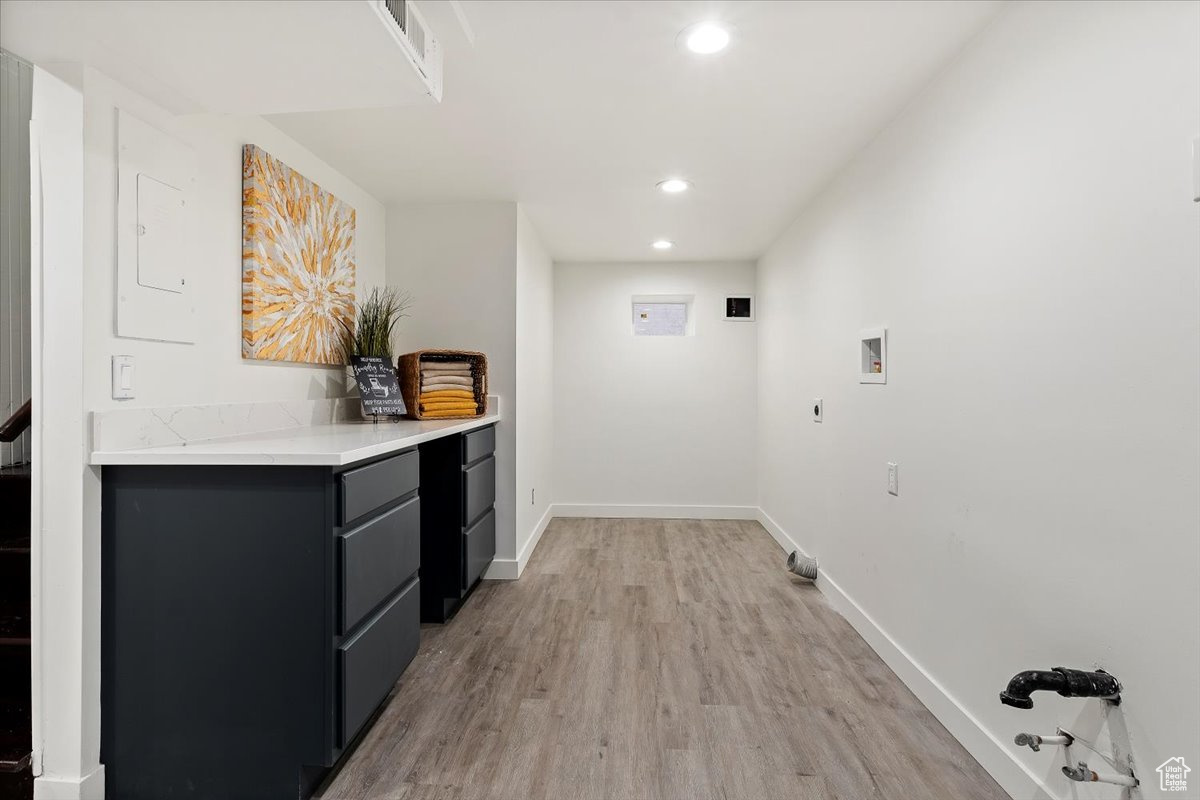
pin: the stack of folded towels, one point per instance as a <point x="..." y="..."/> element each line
<point x="447" y="389"/>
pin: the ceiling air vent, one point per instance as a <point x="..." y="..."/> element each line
<point x="408" y="28"/>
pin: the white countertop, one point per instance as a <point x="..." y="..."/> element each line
<point x="331" y="445"/>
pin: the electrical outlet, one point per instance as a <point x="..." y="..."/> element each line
<point x="818" y="410"/>
<point x="893" y="486"/>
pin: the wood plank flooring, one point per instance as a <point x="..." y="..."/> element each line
<point x="647" y="659"/>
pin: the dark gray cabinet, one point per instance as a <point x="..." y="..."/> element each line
<point x="376" y="557"/>
<point x="253" y="620"/>
<point x="364" y="489"/>
<point x="372" y="659"/>
<point x="480" y="548"/>
<point x="458" y="519"/>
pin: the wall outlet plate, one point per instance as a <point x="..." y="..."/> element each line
<point x="818" y="410"/>
<point x="1196" y="170"/>
<point x="893" y="483"/>
<point x="122" y="377"/>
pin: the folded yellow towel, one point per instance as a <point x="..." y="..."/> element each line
<point x="448" y="394"/>
<point x="439" y="414"/>
<point x="448" y="406"/>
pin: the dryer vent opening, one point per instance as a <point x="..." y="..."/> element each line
<point x="803" y="566"/>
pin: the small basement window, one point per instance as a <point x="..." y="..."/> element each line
<point x="662" y="315"/>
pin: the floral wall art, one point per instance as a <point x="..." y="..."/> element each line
<point x="297" y="265"/>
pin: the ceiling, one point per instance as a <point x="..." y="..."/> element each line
<point x="577" y="109"/>
<point x="192" y="56"/>
<point x="574" y="108"/>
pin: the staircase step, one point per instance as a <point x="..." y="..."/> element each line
<point x="15" y="487"/>
<point x="17" y="786"/>
<point x="15" y="740"/>
<point x="15" y="546"/>
<point x="17" y="762"/>
<point x="14" y="579"/>
<point x="14" y="625"/>
<point x="16" y="773"/>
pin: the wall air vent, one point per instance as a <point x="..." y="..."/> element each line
<point x="408" y="28"/>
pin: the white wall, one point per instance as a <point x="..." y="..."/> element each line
<point x="535" y="388"/>
<point x="209" y="371"/>
<point x="1026" y="233"/>
<point x="652" y="421"/>
<point x="212" y="370"/>
<point x="458" y="261"/>
<point x="64" y="569"/>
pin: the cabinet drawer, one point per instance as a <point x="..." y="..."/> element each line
<point x="376" y="558"/>
<point x="477" y="444"/>
<point x="479" y="489"/>
<point x="367" y="488"/>
<point x="479" y="548"/>
<point x="372" y="661"/>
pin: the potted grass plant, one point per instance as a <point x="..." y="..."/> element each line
<point x="369" y="347"/>
<point x="375" y="323"/>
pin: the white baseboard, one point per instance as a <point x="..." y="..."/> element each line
<point x="654" y="512"/>
<point x="509" y="569"/>
<point x="502" y="569"/>
<point x="89" y="787"/>
<point x="989" y="751"/>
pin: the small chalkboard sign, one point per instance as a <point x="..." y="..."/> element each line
<point x="378" y="386"/>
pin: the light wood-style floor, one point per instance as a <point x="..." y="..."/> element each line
<point x="647" y="659"/>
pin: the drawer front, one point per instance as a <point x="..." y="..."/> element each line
<point x="372" y="661"/>
<point x="477" y="444"/>
<point x="479" y="489"/>
<point x="479" y="548"/>
<point x="376" y="558"/>
<point x="367" y="488"/>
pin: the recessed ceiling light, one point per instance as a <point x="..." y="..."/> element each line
<point x="674" y="185"/>
<point x="705" y="38"/>
<point x="662" y="244"/>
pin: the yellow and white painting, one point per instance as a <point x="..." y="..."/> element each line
<point x="297" y="265"/>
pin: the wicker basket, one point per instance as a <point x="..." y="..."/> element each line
<point x="409" y="368"/>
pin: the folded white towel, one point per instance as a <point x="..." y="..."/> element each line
<point x="434" y="375"/>
<point x="434" y="387"/>
<point x="445" y="365"/>
<point x="447" y="379"/>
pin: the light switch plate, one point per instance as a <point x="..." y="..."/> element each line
<point x="1196" y="170"/>
<point x="893" y="484"/>
<point x="122" y="377"/>
<point x="818" y="410"/>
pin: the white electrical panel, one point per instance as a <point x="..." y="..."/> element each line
<point x="160" y="229"/>
<point x="156" y="233"/>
